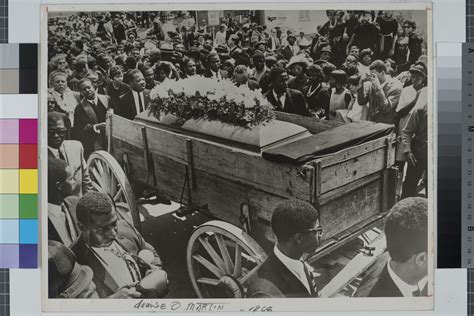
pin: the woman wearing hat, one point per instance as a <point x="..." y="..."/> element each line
<point x="297" y="67"/>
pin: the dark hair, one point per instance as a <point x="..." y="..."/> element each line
<point x="366" y="51"/>
<point x="275" y="73"/>
<point x="85" y="80"/>
<point x="410" y="23"/>
<point x="340" y="76"/>
<point x="354" y="80"/>
<point x="130" y="62"/>
<point x="129" y="76"/>
<point x="93" y="204"/>
<point x="56" y="173"/>
<point x="406" y="229"/>
<point x="378" y="65"/>
<point x="291" y="217"/>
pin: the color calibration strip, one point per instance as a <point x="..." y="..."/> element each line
<point x="4" y="292"/>
<point x="18" y="193"/>
<point x="3" y="21"/>
<point x="18" y="68"/>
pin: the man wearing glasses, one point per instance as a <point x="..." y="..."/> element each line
<point x="71" y="151"/>
<point x="296" y="225"/>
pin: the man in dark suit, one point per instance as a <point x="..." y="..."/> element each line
<point x="89" y="118"/>
<point x="113" y="248"/>
<point x="137" y="99"/>
<point x="241" y="77"/>
<point x="296" y="225"/>
<point x="62" y="223"/>
<point x="213" y="70"/>
<point x="406" y="231"/>
<point x="291" y="49"/>
<point x="283" y="98"/>
<point x="71" y="151"/>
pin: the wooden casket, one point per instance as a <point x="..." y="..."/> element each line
<point x="220" y="169"/>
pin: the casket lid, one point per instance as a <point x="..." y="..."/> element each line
<point x="257" y="138"/>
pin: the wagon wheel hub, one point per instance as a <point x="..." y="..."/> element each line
<point x="230" y="287"/>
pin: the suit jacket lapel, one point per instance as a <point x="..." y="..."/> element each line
<point x="89" y="111"/>
<point x="290" y="277"/>
<point x="106" y="285"/>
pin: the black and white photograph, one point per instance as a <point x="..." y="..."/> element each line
<point x="237" y="157"/>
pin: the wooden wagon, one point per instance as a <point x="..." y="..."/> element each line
<point x="237" y="188"/>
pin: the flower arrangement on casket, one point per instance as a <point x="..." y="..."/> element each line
<point x="206" y="98"/>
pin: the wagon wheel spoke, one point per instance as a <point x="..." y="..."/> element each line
<point x="208" y="281"/>
<point x="236" y="258"/>
<point x="118" y="194"/>
<point x="113" y="183"/>
<point x="99" y="179"/>
<point x="237" y="261"/>
<point x="247" y="276"/>
<point x="229" y="266"/>
<point x="213" y="254"/>
<point x="208" y="265"/>
<point x="96" y="186"/>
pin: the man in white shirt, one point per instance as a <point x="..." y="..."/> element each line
<point x="62" y="225"/>
<point x="221" y="36"/>
<point x="296" y="225"/>
<point x="406" y="231"/>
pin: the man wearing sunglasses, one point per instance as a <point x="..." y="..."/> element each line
<point x="71" y="151"/>
<point x="296" y="225"/>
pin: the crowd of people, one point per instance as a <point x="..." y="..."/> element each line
<point x="356" y="65"/>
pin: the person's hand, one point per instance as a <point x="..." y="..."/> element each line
<point x="375" y="81"/>
<point x="410" y="157"/>
<point x="391" y="52"/>
<point x="365" y="77"/>
<point x="99" y="128"/>
<point x="127" y="291"/>
<point x="345" y="37"/>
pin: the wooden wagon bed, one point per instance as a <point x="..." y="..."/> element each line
<point x="350" y="187"/>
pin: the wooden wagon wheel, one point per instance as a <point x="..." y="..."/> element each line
<point x="222" y="260"/>
<point x="108" y="177"/>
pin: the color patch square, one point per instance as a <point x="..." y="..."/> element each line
<point x="9" y="206"/>
<point x="28" y="131"/>
<point x="9" y="156"/>
<point x="29" y="256"/>
<point x="9" y="231"/>
<point x="28" y="206"/>
<point x="28" y="231"/>
<point x="28" y="156"/>
<point x="9" y="256"/>
<point x="9" y="132"/>
<point x="9" y="181"/>
<point x="28" y="181"/>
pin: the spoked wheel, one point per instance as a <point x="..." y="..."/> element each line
<point x="108" y="177"/>
<point x="222" y="260"/>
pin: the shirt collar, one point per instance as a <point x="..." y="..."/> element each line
<point x="406" y="289"/>
<point x="54" y="151"/>
<point x="295" y="266"/>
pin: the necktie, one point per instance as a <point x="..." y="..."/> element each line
<point x="61" y="155"/>
<point x="140" y="104"/>
<point x="280" y="105"/>
<point x="309" y="277"/>
<point x="69" y="225"/>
